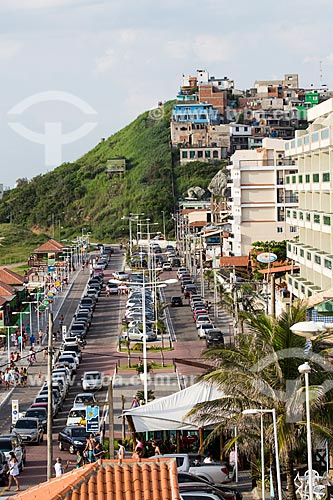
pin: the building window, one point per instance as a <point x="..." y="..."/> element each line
<point x="215" y="154"/>
<point x="296" y="285"/>
<point x="325" y="133"/>
<point x="301" y="252"/>
<point x="315" y="177"/>
<point x="316" y="218"/>
<point x="309" y="293"/>
<point x="300" y="178"/>
<point x="237" y="129"/>
<point x="326" y="177"/>
<point x="327" y="220"/>
<point x="207" y="154"/>
<point x="308" y="256"/>
<point x="279" y="229"/>
<point x="289" y="247"/>
<point x="308" y="216"/>
<point x="293" y="179"/>
<point x="303" y="289"/>
<point x="184" y="154"/>
<point x="293" y="229"/>
<point x="287" y="179"/>
<point x="317" y="260"/>
<point x="307" y="178"/>
<point x="294" y="214"/>
<point x="328" y="264"/>
<point x="192" y="154"/>
<point x="301" y="216"/>
<point x="200" y="154"/>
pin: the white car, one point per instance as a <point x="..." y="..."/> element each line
<point x="83" y="399"/>
<point x="137" y="334"/>
<point x="121" y="275"/>
<point x="92" y="381"/>
<point x="202" y="318"/>
<point x="76" y="416"/>
<point x="167" y="266"/>
<point x="203" y="329"/>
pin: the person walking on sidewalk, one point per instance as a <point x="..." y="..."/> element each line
<point x="13" y="471"/>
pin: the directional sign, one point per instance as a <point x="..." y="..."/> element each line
<point x="266" y="257"/>
<point x="15" y="410"/>
<point x="92" y="419"/>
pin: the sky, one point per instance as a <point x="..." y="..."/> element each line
<point x="75" y="71"/>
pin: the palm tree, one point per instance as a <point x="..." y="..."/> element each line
<point x="261" y="371"/>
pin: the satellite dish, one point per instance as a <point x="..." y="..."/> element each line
<point x="266" y="257"/>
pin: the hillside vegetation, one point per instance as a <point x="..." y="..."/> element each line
<point x="82" y="196"/>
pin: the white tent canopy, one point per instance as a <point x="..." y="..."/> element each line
<point x="168" y="413"/>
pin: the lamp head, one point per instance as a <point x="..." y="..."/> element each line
<point x="251" y="411"/>
<point x="304" y="368"/>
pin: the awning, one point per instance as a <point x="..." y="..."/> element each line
<point x="279" y="269"/>
<point x="169" y="413"/>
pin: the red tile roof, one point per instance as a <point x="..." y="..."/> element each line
<point x="111" y="480"/>
<point x="50" y="246"/>
<point x="10" y="277"/>
<point x="242" y="261"/>
<point x="6" y="290"/>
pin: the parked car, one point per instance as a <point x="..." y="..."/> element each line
<point x="13" y="442"/>
<point x="200" y="491"/>
<point x="40" y="413"/>
<point x="76" y="416"/>
<point x="30" y="430"/>
<point x="121" y="275"/>
<point x="186" y="477"/>
<point x="215" y="472"/>
<point x="203" y="328"/>
<point x="72" y="438"/>
<point x="214" y="338"/>
<point x="176" y="301"/>
<point x="84" y="399"/>
<point x="136" y="334"/>
<point x="112" y="287"/>
<point x="92" y="381"/>
<point x="4" y="468"/>
<point x="167" y="266"/>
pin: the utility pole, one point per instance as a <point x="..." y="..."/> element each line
<point x="111" y="421"/>
<point x="49" y="397"/>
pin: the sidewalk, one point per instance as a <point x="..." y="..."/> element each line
<point x="37" y="371"/>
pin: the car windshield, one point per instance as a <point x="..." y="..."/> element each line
<point x="36" y="413"/>
<point x="26" y="424"/>
<point x="6" y="445"/>
<point x="80" y="432"/>
<point x="92" y="376"/>
<point x="77" y="414"/>
<point x="215" y="335"/>
<point x="84" y="399"/>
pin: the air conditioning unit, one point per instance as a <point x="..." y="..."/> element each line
<point x="280" y="163"/>
<point x="280" y="155"/>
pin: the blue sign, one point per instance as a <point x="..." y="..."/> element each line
<point x="50" y="269"/>
<point x="92" y="418"/>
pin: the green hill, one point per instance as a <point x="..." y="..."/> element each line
<point x="83" y="195"/>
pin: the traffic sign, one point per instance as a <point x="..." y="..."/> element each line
<point x="46" y="302"/>
<point x="15" y="410"/>
<point x="50" y="295"/>
<point x="92" y="419"/>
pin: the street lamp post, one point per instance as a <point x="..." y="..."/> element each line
<point x="8" y="340"/>
<point x="305" y="369"/>
<point x="143" y="285"/>
<point x="30" y="312"/>
<point x="256" y="411"/>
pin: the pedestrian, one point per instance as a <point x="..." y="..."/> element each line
<point x="121" y="451"/>
<point x="156" y="448"/>
<point x="40" y="337"/>
<point x="13" y="471"/>
<point x="25" y="375"/>
<point x="61" y="321"/>
<point x="79" y="462"/>
<point x="32" y="340"/>
<point x="32" y="356"/>
<point x="7" y="379"/>
<point x="209" y="459"/>
<point x="233" y="460"/>
<point x="21" y="374"/>
<point x="44" y="353"/>
<point x="135" y="402"/>
<point x="90" y="445"/>
<point x="98" y="453"/>
<point x="138" y="450"/>
<point x="59" y="468"/>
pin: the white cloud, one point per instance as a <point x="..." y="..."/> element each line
<point x="107" y="61"/>
<point x="9" y="48"/>
<point x="38" y="4"/>
<point x="210" y="48"/>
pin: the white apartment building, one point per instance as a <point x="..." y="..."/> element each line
<point x="260" y="197"/>
<point x="312" y="150"/>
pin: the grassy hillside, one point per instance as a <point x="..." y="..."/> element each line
<point x="82" y="195"/>
<point x="17" y="243"/>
